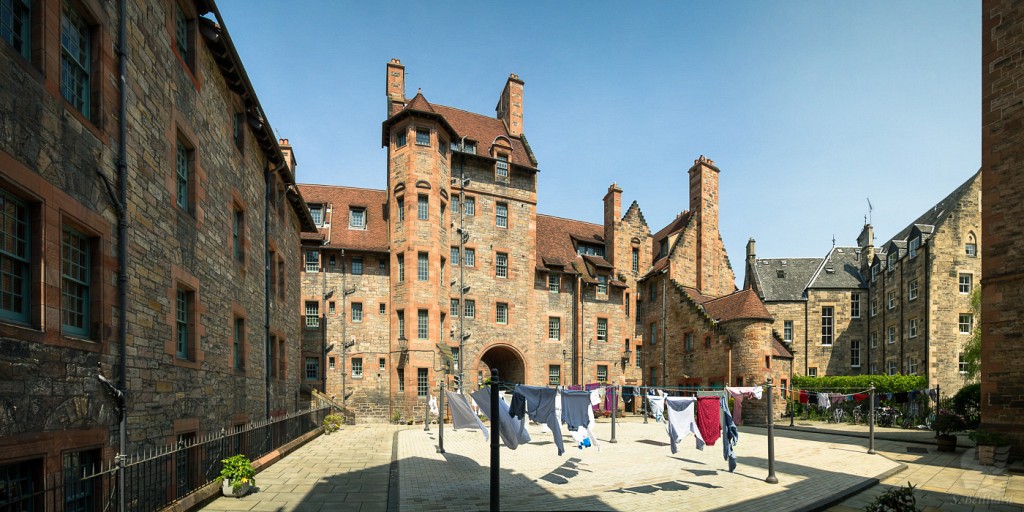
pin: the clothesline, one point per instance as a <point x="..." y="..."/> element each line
<point x="858" y="391"/>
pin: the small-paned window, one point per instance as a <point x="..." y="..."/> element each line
<point x="422" y="137"/>
<point x="357" y="265"/>
<point x="966" y="323"/>
<point x="827" y="314"/>
<point x="75" y="60"/>
<point x="554" y="375"/>
<point x="357" y="312"/>
<point x="470" y="206"/>
<point x="75" y="282"/>
<point x="469" y="308"/>
<point x="501" y="215"/>
<point x="312" y="261"/>
<point x="554" y="284"/>
<point x="855" y="305"/>
<point x="501" y="313"/>
<point x="400" y="208"/>
<point x="602" y="329"/>
<point x="554" y="328"/>
<point x="357" y="218"/>
<point x="422" y="266"/>
<point x="855" y="353"/>
<point x="422" y="207"/>
<point x="602" y="284"/>
<point x="966" y="283"/>
<point x="602" y="373"/>
<point x="312" y="315"/>
<point x="470" y="258"/>
<point x="16" y="25"/>
<point x="787" y="330"/>
<point x="501" y="167"/>
<point x="15" y="242"/>
<point x="501" y="265"/>
<point x="312" y="368"/>
<point x="400" y="139"/>
<point x="422" y="324"/>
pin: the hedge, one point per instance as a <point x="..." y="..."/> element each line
<point x="856" y="383"/>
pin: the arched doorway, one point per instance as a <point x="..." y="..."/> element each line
<point x="507" y="360"/>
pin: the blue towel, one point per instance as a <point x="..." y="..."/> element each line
<point x="731" y="436"/>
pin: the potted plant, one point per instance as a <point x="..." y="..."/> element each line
<point x="987" y="443"/>
<point x="946" y="423"/>
<point x="237" y="475"/>
<point x="332" y="423"/>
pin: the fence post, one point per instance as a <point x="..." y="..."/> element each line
<point x="615" y="407"/>
<point x="644" y="404"/>
<point x="495" y="454"/>
<point x="871" y="419"/>
<point x="426" y="413"/>
<point x="772" y="479"/>
<point x="440" y="417"/>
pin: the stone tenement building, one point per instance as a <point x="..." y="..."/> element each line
<point x="202" y="177"/>
<point x="454" y="248"/>
<point x="901" y="308"/>
<point x="1002" y="163"/>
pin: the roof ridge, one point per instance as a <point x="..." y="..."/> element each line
<point x="568" y="219"/>
<point x="328" y="185"/>
<point x="956" y="193"/>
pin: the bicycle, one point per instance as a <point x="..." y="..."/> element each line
<point x="858" y="416"/>
<point x="837" y="415"/>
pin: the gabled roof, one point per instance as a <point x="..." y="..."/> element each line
<point x="937" y="213"/>
<point x="839" y="269"/>
<point x="779" y="349"/>
<point x="338" y="236"/>
<point x="784" y="279"/>
<point x="484" y="130"/>
<point x="555" y="240"/>
<point x="743" y="304"/>
<point x="417" y="107"/>
<point x="677" y="224"/>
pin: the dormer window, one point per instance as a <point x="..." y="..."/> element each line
<point x="663" y="249"/>
<point x="317" y="212"/>
<point x="602" y="284"/>
<point x="590" y="250"/>
<point x="874" y="272"/>
<point x="357" y="218"/>
<point x="914" y="245"/>
<point x="892" y="260"/>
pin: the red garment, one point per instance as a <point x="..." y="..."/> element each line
<point x="709" y="411"/>
<point x="860" y="397"/>
<point x="803" y="397"/>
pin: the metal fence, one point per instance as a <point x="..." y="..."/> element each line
<point x="153" y="479"/>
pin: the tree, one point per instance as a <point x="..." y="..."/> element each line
<point x="972" y="350"/>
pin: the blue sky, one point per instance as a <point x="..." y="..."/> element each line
<point x="809" y="108"/>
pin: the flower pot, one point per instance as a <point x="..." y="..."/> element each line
<point x="986" y="455"/>
<point x="946" y="443"/>
<point x="228" y="490"/>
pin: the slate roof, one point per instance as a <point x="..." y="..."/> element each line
<point x="937" y="213"/>
<point x="484" y="130"/>
<point x="784" y="279"/>
<point x="677" y="224"/>
<point x="554" y="240"/>
<point x="839" y="269"/>
<point x="744" y="304"/>
<point x="338" y="236"/>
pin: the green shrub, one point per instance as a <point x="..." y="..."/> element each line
<point x="967" y="402"/>
<point x="897" y="499"/>
<point x="238" y="470"/>
<point x="396" y="415"/>
<point x="857" y="383"/>
<point x="332" y="423"/>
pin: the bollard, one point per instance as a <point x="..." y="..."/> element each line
<point x="440" y="418"/>
<point x="615" y="407"/>
<point x="426" y="413"/>
<point x="644" y="405"/>
<point x="495" y="454"/>
<point x="772" y="479"/>
<point x="871" y="419"/>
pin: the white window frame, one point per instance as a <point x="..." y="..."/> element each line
<point x="787" y="330"/>
<point x="912" y="329"/>
<point x="501" y="265"/>
<point x="357" y="367"/>
<point x="501" y="215"/>
<point x="554" y="328"/>
<point x="890" y="299"/>
<point x="855" y="354"/>
<point x="912" y="290"/>
<point x="828" y="325"/>
<point x="602" y="330"/>
<point x="312" y="261"/>
<point x="554" y="283"/>
<point x="357" y="218"/>
<point x="501" y="313"/>
<point x="965" y="284"/>
<point x="891" y="334"/>
<point x="855" y="305"/>
<point x="968" y="326"/>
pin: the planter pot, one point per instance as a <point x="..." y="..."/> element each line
<point x="986" y="455"/>
<point x="228" y="490"/>
<point x="946" y="443"/>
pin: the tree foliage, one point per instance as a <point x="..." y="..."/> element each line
<point x="856" y="383"/>
<point x="972" y="350"/>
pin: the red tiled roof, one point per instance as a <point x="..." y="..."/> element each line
<point x="743" y="304"/>
<point x="374" y="238"/>
<point x="695" y="294"/>
<point x="677" y="224"/>
<point x="418" y="106"/>
<point x="780" y="350"/>
<point x="484" y="130"/>
<point x="555" y="236"/>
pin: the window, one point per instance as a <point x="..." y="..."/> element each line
<point x="855" y="354"/>
<point x="330" y="363"/>
<point x="554" y="375"/>
<point x="768" y="362"/>
<point x="654" y="333"/>
<point x="639" y="356"/>
<point x="501" y="265"/>
<point x="625" y="304"/>
<point x="602" y="329"/>
<point x="400" y="139"/>
<point x="590" y="250"/>
<point x="183" y="323"/>
<point x="966" y="323"/>
<point x="401" y="380"/>
<point x="357" y="218"/>
<point x="787" y="330"/>
<point x="422" y="266"/>
<point x="707" y="341"/>
<point x="890" y="300"/>
<point x="381" y="308"/>
<point x="874" y="272"/>
<point x="357" y="312"/>
<point x="874" y="306"/>
<point x="912" y="290"/>
<point x="653" y="377"/>
<point x="636" y="260"/>
<point x="911" y="366"/>
<point x="281" y="278"/>
<point x="554" y="283"/>
<point x="422" y="324"/>
<point x="855" y="305"/>
<point x="422" y="388"/>
<point x="469" y="258"/>
<point x="400" y="207"/>
<point x="892" y="367"/>
<point x="16" y="25"/>
<point x="401" y="323"/>
<point x="455" y="256"/>
<point x="442" y="147"/>
<point x="971" y="247"/>
<point x="357" y="265"/>
<point x="501" y="167"/>
<point x="79" y="493"/>
<point x="874" y="339"/>
<point x="440" y="325"/>
<point x="182" y="30"/>
<point x="602" y="373"/>
<point x="469" y="309"/>
<point x="453" y="308"/>
<point x="312" y="368"/>
<point x="965" y="283"/>
<point x="826" y="325"/>
<point x="602" y="285"/>
<point x="381" y="364"/>
<point x="422" y="207"/>
<point x="330" y="307"/>
<point x="312" y="315"/>
<point x="962" y="364"/>
<point x="501" y="215"/>
<point x="312" y="261"/>
<point x="455" y="358"/>
<point x="14" y="258"/>
<point x="238" y="130"/>
<point x="891" y="260"/>
<point x="501" y="313"/>
<point x="75" y="58"/>
<point x="238" y="346"/>
<point x="401" y="268"/>
<point x="422" y="137"/>
<point x="75" y="283"/>
<point x="874" y="369"/>
<point x="892" y="334"/>
<point x="317" y="212"/>
<point x="914" y="245"/>
<point x="183" y="176"/>
<point x="357" y="367"/>
<point x="238" y="234"/>
<point x="455" y="204"/>
<point x="652" y="287"/>
<point x="913" y="328"/>
<point x="554" y="328"/>
<point x="688" y="342"/>
<point x="470" y="206"/>
<point x="812" y="371"/>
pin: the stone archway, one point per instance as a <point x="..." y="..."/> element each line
<point x="508" y="361"/>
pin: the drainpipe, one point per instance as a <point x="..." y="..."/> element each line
<point x="664" y="330"/>
<point x="122" y="244"/>
<point x="903" y="306"/>
<point x="927" y="298"/>
<point x="575" y="327"/>
<point x="583" y="331"/>
<point x="323" y="325"/>
<point x="462" y="263"/>
<point x="267" y="349"/>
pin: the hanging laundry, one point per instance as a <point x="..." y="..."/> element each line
<point x="804" y="397"/>
<point x="732" y="435"/>
<point x="823" y="401"/>
<point x="539" y="403"/>
<point x="508" y="427"/>
<point x="738" y="394"/>
<point x="577" y="412"/>
<point x="933" y="394"/>
<point x="709" y="422"/>
<point x="901" y="398"/>
<point x="610" y="398"/>
<point x="656" y="406"/>
<point x="860" y="397"/>
<point x="628" y="394"/>
<point x="433" y="405"/>
<point x="837" y="399"/>
<point x="913" y="395"/>
<point x="462" y="413"/>
<point x="681" y="421"/>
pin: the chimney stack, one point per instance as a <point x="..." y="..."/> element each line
<point x="395" y="87"/>
<point x="289" y="156"/>
<point x="510" y="105"/>
<point x="612" y="214"/>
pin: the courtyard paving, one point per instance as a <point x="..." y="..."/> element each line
<point x="382" y="467"/>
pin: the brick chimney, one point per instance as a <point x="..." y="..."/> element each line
<point x="751" y="263"/>
<point x="395" y="86"/>
<point x="704" y="205"/>
<point x="510" y="105"/>
<point x="612" y="214"/>
<point x="289" y="156"/>
<point x="866" y="242"/>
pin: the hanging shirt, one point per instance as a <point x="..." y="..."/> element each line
<point x="508" y="427"/>
<point x="539" y="403"/>
<point x="837" y="399"/>
<point x="738" y="394"/>
<point x="732" y="435"/>
<point x="709" y="418"/>
<point x="803" y="397"/>
<point x="462" y="414"/>
<point x="656" y="404"/>
<point x="823" y="401"/>
<point x="681" y="422"/>
<point x="611" y="398"/>
<point x="577" y="412"/>
<point x="433" y="405"/>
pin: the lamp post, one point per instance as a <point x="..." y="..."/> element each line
<point x="771" y="479"/>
